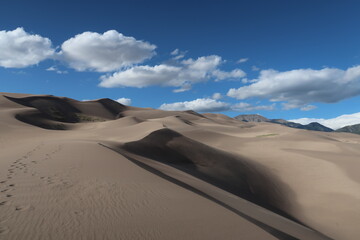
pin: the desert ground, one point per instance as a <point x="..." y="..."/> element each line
<point x="100" y="170"/>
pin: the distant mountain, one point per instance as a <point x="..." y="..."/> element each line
<point x="314" y="126"/>
<point x="351" y="129"/>
<point x="252" y="118"/>
<point x="280" y="121"/>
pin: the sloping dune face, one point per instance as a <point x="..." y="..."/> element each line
<point x="101" y="170"/>
<point x="230" y="172"/>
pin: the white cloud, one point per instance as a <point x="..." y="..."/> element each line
<point x="334" y="123"/>
<point x="175" y="52"/>
<point x="216" y="96"/>
<point x="308" y="108"/>
<point x="300" y="87"/>
<point x="143" y="76"/>
<point x="51" y="69"/>
<point x="255" y="68"/>
<point x="242" y="60"/>
<point x="182" y="74"/>
<point x="178" y="54"/>
<point x="198" y="105"/>
<point x="234" y="74"/>
<point x="183" y="88"/>
<point x="289" y="106"/>
<point x="105" y="52"/>
<point x="20" y="49"/>
<point x="246" y="107"/>
<point x="55" y="69"/>
<point x="124" y="101"/>
<point x="213" y="105"/>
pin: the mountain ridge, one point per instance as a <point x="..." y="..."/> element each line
<point x="350" y="129"/>
<point x="314" y="126"/>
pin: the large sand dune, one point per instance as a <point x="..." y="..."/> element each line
<point x="101" y="170"/>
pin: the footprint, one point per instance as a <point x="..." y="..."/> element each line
<point x="79" y="213"/>
<point x="4" y="190"/>
<point x="8" y="195"/>
<point x="11" y="185"/>
<point x="3" y="203"/>
<point x="4" y="230"/>
<point x="24" y="208"/>
<point x="3" y="181"/>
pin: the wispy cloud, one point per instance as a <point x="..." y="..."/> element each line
<point x="242" y="60"/>
<point x="246" y="107"/>
<point x="55" y="69"/>
<point x="255" y="68"/>
<point x="177" y="54"/>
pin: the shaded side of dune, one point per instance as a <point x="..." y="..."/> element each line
<point x="232" y="173"/>
<point x="56" y="113"/>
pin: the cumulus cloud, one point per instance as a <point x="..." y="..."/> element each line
<point x="181" y="75"/>
<point x="334" y="123"/>
<point x="213" y="105"/>
<point x="216" y="96"/>
<point x="105" y="52"/>
<point x="198" y="105"/>
<point x="246" y="107"/>
<point x="124" y="101"/>
<point x="20" y="49"/>
<point x="234" y="74"/>
<point x="143" y="76"/>
<point x="298" y="88"/>
<point x="242" y="60"/>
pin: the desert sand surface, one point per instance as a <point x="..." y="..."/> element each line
<point x="101" y="170"/>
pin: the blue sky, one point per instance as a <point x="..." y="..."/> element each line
<point x="281" y="59"/>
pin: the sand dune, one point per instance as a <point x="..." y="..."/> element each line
<point x="102" y="170"/>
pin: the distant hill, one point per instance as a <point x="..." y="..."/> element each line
<point x="252" y="118"/>
<point x="351" y="129"/>
<point x="314" y="126"/>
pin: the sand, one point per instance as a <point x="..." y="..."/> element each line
<point x="101" y="170"/>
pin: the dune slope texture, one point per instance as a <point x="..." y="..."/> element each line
<point x="101" y="170"/>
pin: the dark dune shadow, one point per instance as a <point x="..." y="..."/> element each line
<point x="232" y="173"/>
<point x="273" y="231"/>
